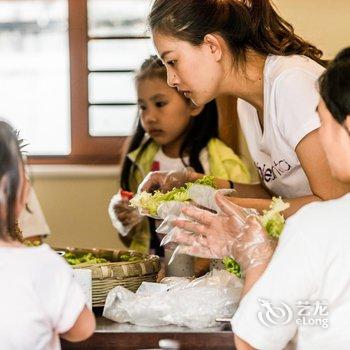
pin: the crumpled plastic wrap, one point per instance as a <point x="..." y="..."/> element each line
<point x="176" y="301"/>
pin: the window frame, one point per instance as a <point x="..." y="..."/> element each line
<point x="85" y="149"/>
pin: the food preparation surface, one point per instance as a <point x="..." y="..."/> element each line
<point x="111" y="335"/>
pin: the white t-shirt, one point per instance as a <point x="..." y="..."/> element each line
<point x="290" y="101"/>
<point x="39" y="298"/>
<point x="311" y="264"/>
<point x="164" y="163"/>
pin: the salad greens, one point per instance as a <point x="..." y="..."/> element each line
<point x="29" y="243"/>
<point x="272" y="219"/>
<point x="129" y="258"/>
<point x="273" y="222"/>
<point x="74" y="259"/>
<point x="232" y="266"/>
<point x="151" y="201"/>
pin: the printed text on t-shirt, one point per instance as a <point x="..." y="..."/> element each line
<point x="279" y="168"/>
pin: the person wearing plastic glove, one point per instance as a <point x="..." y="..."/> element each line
<point x="124" y="217"/>
<point x="247" y="51"/>
<point x="299" y="297"/>
<point x="232" y="232"/>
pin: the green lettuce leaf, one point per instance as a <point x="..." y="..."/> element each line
<point x="272" y="219"/>
<point x="232" y="266"/>
<point x="150" y="202"/>
<point x="273" y="222"/>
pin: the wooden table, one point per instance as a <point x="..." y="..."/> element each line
<point x="111" y="335"/>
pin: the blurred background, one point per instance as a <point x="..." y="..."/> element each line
<point x="66" y="82"/>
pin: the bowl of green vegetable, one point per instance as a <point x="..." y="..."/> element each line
<point x="111" y="268"/>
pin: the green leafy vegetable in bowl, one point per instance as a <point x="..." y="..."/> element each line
<point x="89" y="258"/>
<point x="128" y="258"/>
<point x="74" y="259"/>
<point x="29" y="243"/>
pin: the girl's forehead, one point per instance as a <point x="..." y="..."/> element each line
<point x="152" y="82"/>
<point x="152" y="86"/>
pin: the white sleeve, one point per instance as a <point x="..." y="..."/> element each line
<point x="61" y="295"/>
<point x="287" y="279"/>
<point x="296" y="101"/>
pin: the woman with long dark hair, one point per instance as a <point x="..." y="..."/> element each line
<point x="245" y="49"/>
<point x="301" y="290"/>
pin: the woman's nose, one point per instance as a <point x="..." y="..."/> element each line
<point x="172" y="79"/>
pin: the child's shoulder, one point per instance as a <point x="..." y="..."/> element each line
<point x="39" y="259"/>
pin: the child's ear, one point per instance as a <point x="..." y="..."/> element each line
<point x="196" y="110"/>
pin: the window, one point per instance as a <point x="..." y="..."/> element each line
<point x="67" y="68"/>
<point x="34" y="73"/>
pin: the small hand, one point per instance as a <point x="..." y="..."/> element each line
<point x="166" y="181"/>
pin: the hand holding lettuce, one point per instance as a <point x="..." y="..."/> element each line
<point x="231" y="232"/>
<point x="273" y="222"/>
<point x="148" y="203"/>
<point x="165" y="181"/>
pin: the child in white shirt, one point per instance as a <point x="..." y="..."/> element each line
<point x="39" y="299"/>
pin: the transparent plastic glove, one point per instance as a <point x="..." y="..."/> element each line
<point x="232" y="231"/>
<point x="170" y="211"/>
<point x="204" y="196"/>
<point x="166" y="181"/>
<point x="124" y="217"/>
<point x="201" y="196"/>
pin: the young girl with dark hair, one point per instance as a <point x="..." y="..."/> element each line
<point x="245" y="49"/>
<point x="39" y="299"/>
<point x="171" y="134"/>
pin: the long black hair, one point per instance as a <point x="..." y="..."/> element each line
<point x="335" y="86"/>
<point x="201" y="129"/>
<point x="243" y="24"/>
<point x="10" y="161"/>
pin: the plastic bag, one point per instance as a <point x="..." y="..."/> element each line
<point x="177" y="301"/>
